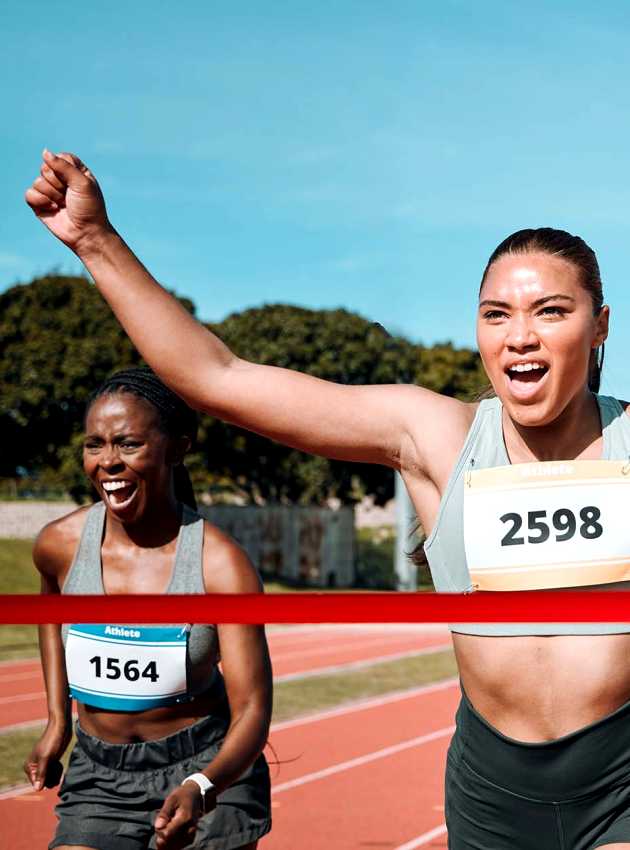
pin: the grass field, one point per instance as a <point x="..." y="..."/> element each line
<point x="17" y="575"/>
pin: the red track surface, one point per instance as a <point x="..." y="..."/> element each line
<point x="301" y="650"/>
<point x="402" y="742"/>
<point x="383" y="799"/>
<point x="325" y="796"/>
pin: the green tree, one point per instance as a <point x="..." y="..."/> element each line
<point x="59" y="341"/>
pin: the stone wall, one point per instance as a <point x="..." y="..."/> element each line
<point x="25" y="519"/>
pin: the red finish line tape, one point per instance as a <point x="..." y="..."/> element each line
<point x="515" y="606"/>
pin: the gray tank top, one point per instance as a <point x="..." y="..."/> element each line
<point x="85" y="576"/>
<point x="484" y="448"/>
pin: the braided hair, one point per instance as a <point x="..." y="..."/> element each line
<point x="175" y="417"/>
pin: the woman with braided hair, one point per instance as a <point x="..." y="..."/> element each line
<point x="168" y="750"/>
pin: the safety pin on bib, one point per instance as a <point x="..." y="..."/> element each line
<point x="625" y="469"/>
<point x="469" y="471"/>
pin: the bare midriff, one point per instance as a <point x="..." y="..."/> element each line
<point x="126" y="727"/>
<point x="535" y="689"/>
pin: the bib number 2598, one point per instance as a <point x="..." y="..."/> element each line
<point x="130" y="670"/>
<point x="564" y="525"/>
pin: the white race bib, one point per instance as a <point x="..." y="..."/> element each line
<point x="127" y="668"/>
<point x="532" y="526"/>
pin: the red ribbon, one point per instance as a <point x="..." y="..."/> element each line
<point x="518" y="607"/>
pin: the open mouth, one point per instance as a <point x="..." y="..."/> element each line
<point x="119" y="494"/>
<point x="524" y="378"/>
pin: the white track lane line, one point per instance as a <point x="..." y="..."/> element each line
<point x="19" y="677"/>
<point x="333" y="648"/>
<point x="16" y="791"/>
<point x="19" y="662"/>
<point x="365" y="759"/>
<point x="356" y="627"/>
<point x="22" y="698"/>
<point x="362" y="705"/>
<point x="291" y="639"/>
<point x="423" y="839"/>
<point x="25" y="724"/>
<point x="360" y="665"/>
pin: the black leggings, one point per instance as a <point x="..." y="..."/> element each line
<point x="569" y="794"/>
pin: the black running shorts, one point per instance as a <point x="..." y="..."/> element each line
<point x="572" y="793"/>
<point x="111" y="793"/>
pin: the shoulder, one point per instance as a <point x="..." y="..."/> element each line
<point x="226" y="566"/>
<point x="56" y="543"/>
<point x="413" y="399"/>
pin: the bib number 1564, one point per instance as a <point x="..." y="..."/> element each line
<point x="564" y="525"/>
<point x="130" y="670"/>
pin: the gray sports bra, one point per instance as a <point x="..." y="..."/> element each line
<point x="85" y="576"/>
<point x="485" y="447"/>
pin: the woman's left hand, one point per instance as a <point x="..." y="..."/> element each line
<point x="176" y="822"/>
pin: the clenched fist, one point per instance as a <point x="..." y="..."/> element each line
<point x="68" y="200"/>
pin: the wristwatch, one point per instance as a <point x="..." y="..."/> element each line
<point x="204" y="785"/>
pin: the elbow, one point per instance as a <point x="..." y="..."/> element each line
<point x="255" y="714"/>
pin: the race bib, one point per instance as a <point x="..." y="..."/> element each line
<point x="127" y="668"/>
<point x="532" y="526"/>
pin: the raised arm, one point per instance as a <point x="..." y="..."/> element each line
<point x="366" y="423"/>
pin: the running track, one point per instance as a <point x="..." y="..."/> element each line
<point x="363" y="776"/>
<point x="296" y="652"/>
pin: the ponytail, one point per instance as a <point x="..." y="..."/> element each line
<point x="595" y="369"/>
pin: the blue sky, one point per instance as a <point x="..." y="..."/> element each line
<point x="360" y="154"/>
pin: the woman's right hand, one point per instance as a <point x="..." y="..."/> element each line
<point x="68" y="200"/>
<point x="42" y="766"/>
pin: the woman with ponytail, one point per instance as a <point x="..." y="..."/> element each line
<point x="523" y="491"/>
<point x="168" y="749"/>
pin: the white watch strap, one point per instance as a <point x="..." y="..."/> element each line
<point x="202" y="781"/>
